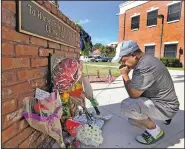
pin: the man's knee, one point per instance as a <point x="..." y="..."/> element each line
<point x="127" y="105"/>
<point x="131" y="109"/>
<point x="128" y="101"/>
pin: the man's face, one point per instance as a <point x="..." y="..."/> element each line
<point x="129" y="60"/>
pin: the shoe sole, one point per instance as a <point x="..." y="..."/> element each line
<point x="156" y="140"/>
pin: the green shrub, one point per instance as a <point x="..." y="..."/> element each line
<point x="170" y="62"/>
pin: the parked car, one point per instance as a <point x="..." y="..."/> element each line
<point x="109" y="59"/>
<point x="87" y="58"/>
<point x="98" y="59"/>
<point x="91" y="59"/>
<point x="103" y="59"/>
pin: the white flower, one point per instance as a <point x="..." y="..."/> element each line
<point x="86" y="126"/>
<point x="100" y="140"/>
<point x="90" y="136"/>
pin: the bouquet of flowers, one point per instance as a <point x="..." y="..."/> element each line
<point x="86" y="131"/>
<point x="89" y="135"/>
<point x="44" y="115"/>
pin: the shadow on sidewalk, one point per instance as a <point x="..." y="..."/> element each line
<point x="108" y="88"/>
<point x="178" y="76"/>
<point x="178" y="81"/>
<point x="119" y="133"/>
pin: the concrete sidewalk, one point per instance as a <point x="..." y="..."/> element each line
<point x="118" y="133"/>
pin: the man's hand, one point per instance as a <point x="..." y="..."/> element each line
<point x="124" y="70"/>
<point x="133" y="93"/>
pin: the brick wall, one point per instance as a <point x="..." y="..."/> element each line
<point x="24" y="68"/>
<point x="172" y="32"/>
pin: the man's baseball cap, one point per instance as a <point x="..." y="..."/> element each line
<point x="124" y="48"/>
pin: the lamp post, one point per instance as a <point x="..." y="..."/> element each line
<point x="161" y="36"/>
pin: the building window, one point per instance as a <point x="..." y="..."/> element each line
<point x="135" y="22"/>
<point x="152" y="18"/>
<point x="174" y="12"/>
<point x="170" y="50"/>
<point x="150" y="50"/>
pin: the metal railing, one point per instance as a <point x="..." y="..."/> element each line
<point x="98" y="78"/>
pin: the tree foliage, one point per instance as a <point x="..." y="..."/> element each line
<point x="85" y="41"/>
<point x="108" y="51"/>
<point x="97" y="46"/>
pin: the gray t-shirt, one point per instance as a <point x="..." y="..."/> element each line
<point x="151" y="76"/>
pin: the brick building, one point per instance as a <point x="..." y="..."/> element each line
<point x="157" y="26"/>
<point x="25" y="68"/>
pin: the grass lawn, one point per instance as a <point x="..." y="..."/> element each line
<point x="174" y="68"/>
<point x="103" y="71"/>
<point x="103" y="63"/>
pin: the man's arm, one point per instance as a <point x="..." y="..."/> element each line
<point x="133" y="93"/>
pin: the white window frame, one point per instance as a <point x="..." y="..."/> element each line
<point x="135" y="15"/>
<point x="149" y="44"/>
<point x="173" y="21"/>
<point x="152" y="9"/>
<point x="173" y="42"/>
<point x="172" y="3"/>
<point x="151" y="26"/>
<point x="135" y="29"/>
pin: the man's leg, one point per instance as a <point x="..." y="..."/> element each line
<point x="148" y="123"/>
<point x="138" y="111"/>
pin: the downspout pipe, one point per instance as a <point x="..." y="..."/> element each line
<point x="161" y="35"/>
